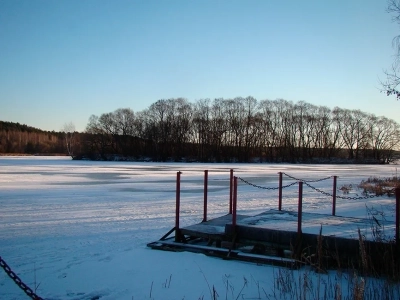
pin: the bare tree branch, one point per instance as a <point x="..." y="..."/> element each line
<point x="392" y="78"/>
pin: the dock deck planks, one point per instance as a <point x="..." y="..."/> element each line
<point x="276" y="230"/>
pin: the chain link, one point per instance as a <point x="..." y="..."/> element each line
<point x="264" y="187"/>
<point x="316" y="180"/>
<point x="341" y="197"/>
<point x="18" y="281"/>
<point x="310" y="186"/>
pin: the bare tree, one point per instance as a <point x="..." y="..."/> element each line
<point x="202" y="128"/>
<point x="268" y="124"/>
<point x="69" y="131"/>
<point x="218" y="128"/>
<point x="390" y="86"/>
<point x="182" y="126"/>
<point x="124" y="119"/>
<point x="238" y="129"/>
<point x="384" y="138"/>
<point x="251" y="142"/>
<point x="100" y="130"/>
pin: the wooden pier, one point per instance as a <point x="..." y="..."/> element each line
<point x="279" y="237"/>
<point x="214" y="238"/>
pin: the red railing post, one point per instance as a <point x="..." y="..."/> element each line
<point x="280" y="191"/>
<point x="205" y="195"/>
<point x="234" y="204"/>
<point x="230" y="191"/>
<point x="300" y="207"/>
<point x="334" y="195"/>
<point x="397" y="191"/>
<point x="177" y="208"/>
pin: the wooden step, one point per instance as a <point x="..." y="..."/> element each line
<point x="224" y="253"/>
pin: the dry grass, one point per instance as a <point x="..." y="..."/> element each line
<point x="380" y="186"/>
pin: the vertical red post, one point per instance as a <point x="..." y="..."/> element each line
<point x="234" y="204"/>
<point x="178" y="204"/>
<point x="205" y="195"/>
<point x="397" y="191"/>
<point x="230" y="191"/>
<point x="334" y="195"/>
<point x="300" y="207"/>
<point x="280" y="191"/>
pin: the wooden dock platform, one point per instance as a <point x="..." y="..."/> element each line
<point x="286" y="238"/>
<point x="271" y="237"/>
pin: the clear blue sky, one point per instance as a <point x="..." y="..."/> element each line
<point x="62" y="61"/>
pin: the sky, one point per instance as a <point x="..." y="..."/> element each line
<point x="62" y="61"/>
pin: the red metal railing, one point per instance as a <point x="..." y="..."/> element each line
<point x="205" y="195"/>
<point x="233" y="186"/>
<point x="178" y="205"/>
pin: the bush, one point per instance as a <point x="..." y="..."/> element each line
<point x="380" y="186"/>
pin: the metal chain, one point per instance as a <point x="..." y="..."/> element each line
<point x="310" y="186"/>
<point x="285" y="186"/>
<point x="264" y="187"/>
<point x="316" y="180"/>
<point x="341" y="197"/>
<point x="18" y="281"/>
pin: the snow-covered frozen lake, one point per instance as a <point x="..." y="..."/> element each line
<point x="79" y="229"/>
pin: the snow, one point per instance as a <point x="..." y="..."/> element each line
<point x="79" y="229"/>
<point x="344" y="227"/>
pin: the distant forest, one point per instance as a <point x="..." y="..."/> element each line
<point x="219" y="130"/>
<point x="22" y="139"/>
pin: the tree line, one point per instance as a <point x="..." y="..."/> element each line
<point x="218" y="130"/>
<point x="18" y="138"/>
<point x="240" y="130"/>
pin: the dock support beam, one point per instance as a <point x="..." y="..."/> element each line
<point x="177" y="208"/>
<point x="205" y="195"/>
<point x="334" y="195"/>
<point x="300" y="207"/>
<point x="397" y="191"/>
<point x="280" y="192"/>
<point x="230" y="191"/>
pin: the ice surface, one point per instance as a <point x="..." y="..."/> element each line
<point x="79" y="229"/>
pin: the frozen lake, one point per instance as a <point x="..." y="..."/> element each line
<point x="66" y="223"/>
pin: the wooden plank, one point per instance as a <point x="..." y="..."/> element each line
<point x="223" y="253"/>
<point x="277" y="230"/>
<point x="213" y="229"/>
<point x="189" y="247"/>
<point x="286" y="221"/>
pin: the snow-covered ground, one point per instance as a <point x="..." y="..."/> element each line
<point x="79" y="229"/>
